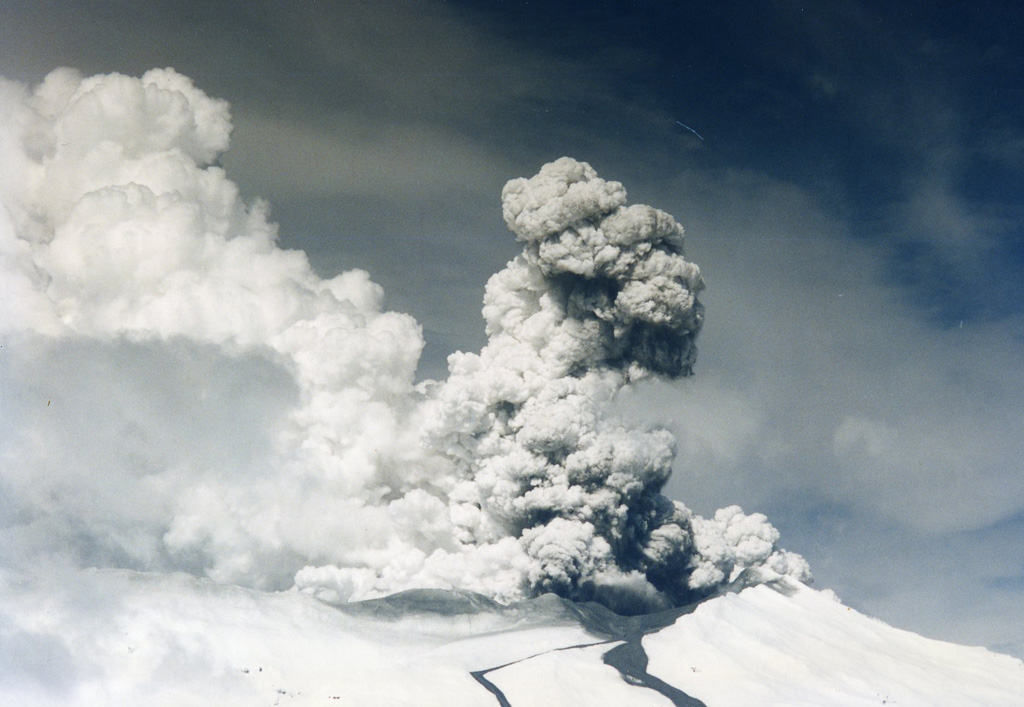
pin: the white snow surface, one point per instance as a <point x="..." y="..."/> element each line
<point x="801" y="647"/>
<point x="115" y="637"/>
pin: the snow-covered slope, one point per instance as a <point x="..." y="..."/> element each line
<point x="803" y="647"/>
<point x="116" y="637"/>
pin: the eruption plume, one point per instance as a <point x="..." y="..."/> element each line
<point x="220" y="409"/>
<point x="600" y="297"/>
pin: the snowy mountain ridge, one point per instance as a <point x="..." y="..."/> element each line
<point x="118" y="637"/>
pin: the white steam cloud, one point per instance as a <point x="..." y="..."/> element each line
<point x="180" y="393"/>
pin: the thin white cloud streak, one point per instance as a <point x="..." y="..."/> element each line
<point x="460" y="107"/>
<point x="904" y="90"/>
<point x="356" y="156"/>
<point x="834" y="382"/>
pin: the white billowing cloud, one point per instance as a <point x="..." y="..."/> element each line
<point x="119" y="227"/>
<point x="181" y="393"/>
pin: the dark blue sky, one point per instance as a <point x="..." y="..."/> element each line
<point x="856" y="103"/>
<point x="856" y="205"/>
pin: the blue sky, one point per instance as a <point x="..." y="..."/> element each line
<point x="855" y="205"/>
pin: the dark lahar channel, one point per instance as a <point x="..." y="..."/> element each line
<point x="480" y="675"/>
<point x="454" y="607"/>
<point x="630" y="660"/>
<point x="629" y="657"/>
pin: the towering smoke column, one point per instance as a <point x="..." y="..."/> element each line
<point x="220" y="409"/>
<point x="544" y="489"/>
<point x="600" y="297"/>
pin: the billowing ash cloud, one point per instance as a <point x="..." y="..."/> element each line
<point x="600" y="297"/>
<point x="183" y="394"/>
